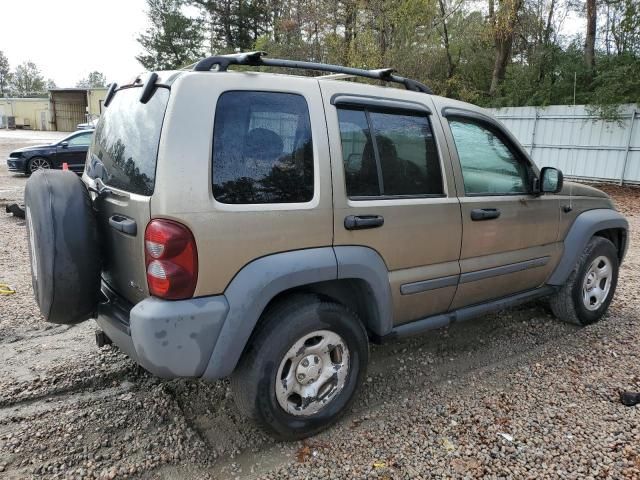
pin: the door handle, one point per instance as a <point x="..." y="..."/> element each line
<point x="123" y="224"/>
<point x="478" y="214"/>
<point x="360" y="222"/>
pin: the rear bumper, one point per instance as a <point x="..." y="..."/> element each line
<point x="168" y="338"/>
<point x="16" y="164"/>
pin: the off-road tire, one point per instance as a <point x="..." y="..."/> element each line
<point x="567" y="304"/>
<point x="253" y="381"/>
<point x="62" y="236"/>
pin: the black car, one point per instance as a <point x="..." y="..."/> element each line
<point x="71" y="150"/>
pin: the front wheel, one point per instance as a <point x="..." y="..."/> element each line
<point x="302" y="368"/>
<point x="588" y="292"/>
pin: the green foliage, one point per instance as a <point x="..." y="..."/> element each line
<point x="617" y="81"/>
<point x="236" y="24"/>
<point x="28" y="81"/>
<point x="173" y="40"/>
<point x="94" y="80"/>
<point x="5" y="75"/>
<point x="458" y="47"/>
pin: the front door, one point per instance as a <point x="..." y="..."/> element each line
<point x="393" y="192"/>
<point x="509" y="243"/>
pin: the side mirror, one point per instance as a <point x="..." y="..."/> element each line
<point x="64" y="144"/>
<point x="551" y="180"/>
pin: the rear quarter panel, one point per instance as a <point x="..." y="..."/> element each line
<point x="230" y="236"/>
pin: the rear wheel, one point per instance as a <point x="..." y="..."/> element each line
<point x="38" y="163"/>
<point x="588" y="292"/>
<point x="302" y="368"/>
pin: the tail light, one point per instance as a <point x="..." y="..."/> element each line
<point x="171" y="259"/>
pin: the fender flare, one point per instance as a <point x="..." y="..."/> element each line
<point x="584" y="227"/>
<point x="366" y="264"/>
<point x="258" y="282"/>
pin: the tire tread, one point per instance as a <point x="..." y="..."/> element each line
<point x="246" y="378"/>
<point x="563" y="303"/>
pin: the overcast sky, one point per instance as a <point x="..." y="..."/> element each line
<point x="67" y="39"/>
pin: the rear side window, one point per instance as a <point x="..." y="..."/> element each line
<point x="388" y="154"/>
<point x="126" y="141"/>
<point x="262" y="148"/>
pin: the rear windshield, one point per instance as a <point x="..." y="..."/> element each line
<point x="125" y="145"/>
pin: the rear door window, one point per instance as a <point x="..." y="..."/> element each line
<point x="389" y="154"/>
<point x="262" y="149"/>
<point x="125" y="147"/>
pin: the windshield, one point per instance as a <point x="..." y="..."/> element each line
<point x="125" y="146"/>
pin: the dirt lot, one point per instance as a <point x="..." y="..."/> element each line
<point x="512" y="395"/>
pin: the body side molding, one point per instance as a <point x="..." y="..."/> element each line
<point x="503" y="270"/>
<point x="426" y="285"/>
<point x="583" y="228"/>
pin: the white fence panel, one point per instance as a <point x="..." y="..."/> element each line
<point x="581" y="145"/>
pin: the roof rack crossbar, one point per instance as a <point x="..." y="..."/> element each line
<point x="255" y="59"/>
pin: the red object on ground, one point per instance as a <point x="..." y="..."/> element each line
<point x="65" y="166"/>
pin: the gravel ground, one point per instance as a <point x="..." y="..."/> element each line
<point x="511" y="395"/>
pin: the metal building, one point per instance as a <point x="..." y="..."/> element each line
<point x="62" y="110"/>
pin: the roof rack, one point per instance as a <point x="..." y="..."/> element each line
<point x="255" y="59"/>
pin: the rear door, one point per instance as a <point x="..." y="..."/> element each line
<point x="388" y="167"/>
<point x="123" y="157"/>
<point x="510" y="235"/>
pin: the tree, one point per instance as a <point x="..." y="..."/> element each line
<point x="489" y="52"/>
<point x="590" y="38"/>
<point x="51" y="83"/>
<point x="237" y="24"/>
<point x="5" y="75"/>
<point x="94" y="80"/>
<point x="503" y="24"/>
<point x="173" y="40"/>
<point x="28" y="81"/>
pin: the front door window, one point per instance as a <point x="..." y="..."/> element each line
<point x="489" y="167"/>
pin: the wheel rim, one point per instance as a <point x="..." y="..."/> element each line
<point x="312" y="373"/>
<point x="597" y="283"/>
<point x="38" y="164"/>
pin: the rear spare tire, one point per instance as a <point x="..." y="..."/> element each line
<point x="63" y="246"/>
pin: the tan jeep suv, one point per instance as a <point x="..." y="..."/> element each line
<point x="268" y="227"/>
